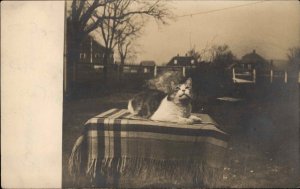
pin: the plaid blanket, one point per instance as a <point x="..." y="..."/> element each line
<point x="128" y="151"/>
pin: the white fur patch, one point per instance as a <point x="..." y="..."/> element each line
<point x="130" y="108"/>
<point x="169" y="111"/>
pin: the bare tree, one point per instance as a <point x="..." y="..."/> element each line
<point x="123" y="50"/>
<point x="125" y="37"/>
<point x="87" y="16"/>
<point x="203" y="54"/>
<point x="221" y="56"/>
<point x="294" y="55"/>
<point x="80" y="23"/>
<point x="193" y="53"/>
<point x="120" y="24"/>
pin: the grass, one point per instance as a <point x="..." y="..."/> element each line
<point x="264" y="136"/>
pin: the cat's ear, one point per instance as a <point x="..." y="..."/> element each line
<point x="189" y="82"/>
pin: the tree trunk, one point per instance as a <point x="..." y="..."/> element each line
<point x="106" y="62"/>
<point x="122" y="59"/>
<point x="74" y="39"/>
<point x="122" y="62"/>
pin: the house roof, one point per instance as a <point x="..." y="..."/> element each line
<point x="252" y="58"/>
<point x="95" y="41"/>
<point x="147" y="63"/>
<point x="182" y="60"/>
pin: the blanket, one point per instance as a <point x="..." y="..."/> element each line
<point x="128" y="151"/>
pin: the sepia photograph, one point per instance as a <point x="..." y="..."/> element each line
<point x="193" y="94"/>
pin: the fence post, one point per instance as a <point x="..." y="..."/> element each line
<point x="155" y="71"/>
<point x="254" y="75"/>
<point x="285" y="76"/>
<point x="271" y="76"/>
<point x="183" y="71"/>
<point x="233" y="75"/>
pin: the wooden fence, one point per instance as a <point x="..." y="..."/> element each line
<point x="90" y="72"/>
<point x="135" y="75"/>
<point x="270" y="76"/>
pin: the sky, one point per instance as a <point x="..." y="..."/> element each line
<point x="269" y="27"/>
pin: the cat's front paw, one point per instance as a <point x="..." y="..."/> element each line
<point x="195" y="118"/>
<point x="186" y="121"/>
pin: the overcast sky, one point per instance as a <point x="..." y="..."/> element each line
<point x="270" y="27"/>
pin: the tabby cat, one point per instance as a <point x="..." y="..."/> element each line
<point x="159" y="106"/>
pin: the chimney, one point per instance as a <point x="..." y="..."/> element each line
<point x="254" y="51"/>
<point x="177" y="54"/>
<point x="186" y="54"/>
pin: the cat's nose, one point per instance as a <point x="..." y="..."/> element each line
<point x="183" y="90"/>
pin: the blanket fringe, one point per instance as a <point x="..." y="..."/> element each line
<point x="74" y="164"/>
<point x="151" y="172"/>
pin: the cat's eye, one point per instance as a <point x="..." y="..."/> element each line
<point x="177" y="88"/>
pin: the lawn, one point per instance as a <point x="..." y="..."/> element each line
<point x="264" y="136"/>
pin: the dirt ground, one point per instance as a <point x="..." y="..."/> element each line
<point x="264" y="137"/>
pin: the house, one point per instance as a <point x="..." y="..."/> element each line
<point x="147" y="63"/>
<point x="254" y="61"/>
<point x="91" y="61"/>
<point x="148" y="66"/>
<point x="182" y="61"/>
<point x="250" y="67"/>
<point x="92" y="52"/>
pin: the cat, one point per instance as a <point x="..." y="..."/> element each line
<point x="159" y="106"/>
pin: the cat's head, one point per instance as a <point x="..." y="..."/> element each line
<point x="163" y="81"/>
<point x="181" y="93"/>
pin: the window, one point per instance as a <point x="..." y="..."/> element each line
<point x="146" y="70"/>
<point x="192" y="61"/>
<point x="133" y="71"/>
<point x="249" y="66"/>
<point x="126" y="69"/>
<point x="97" y="55"/>
<point x="82" y="55"/>
<point x="175" y="61"/>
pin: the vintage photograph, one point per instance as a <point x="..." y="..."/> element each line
<point x="194" y="94"/>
